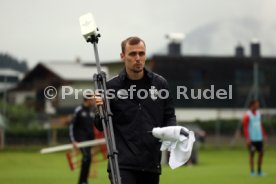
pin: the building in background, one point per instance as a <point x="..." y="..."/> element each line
<point x="54" y="112"/>
<point x="31" y="88"/>
<point x="9" y="79"/>
<point x="201" y="72"/>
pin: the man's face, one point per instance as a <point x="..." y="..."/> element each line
<point x="134" y="57"/>
<point x="256" y="106"/>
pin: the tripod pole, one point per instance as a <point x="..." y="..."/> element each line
<point x="106" y="118"/>
<point x="97" y="57"/>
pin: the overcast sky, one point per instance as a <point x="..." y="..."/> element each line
<point x="48" y="30"/>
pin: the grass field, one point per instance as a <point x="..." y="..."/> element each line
<point x="217" y="166"/>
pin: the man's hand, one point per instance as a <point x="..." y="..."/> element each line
<point x="75" y="145"/>
<point x="98" y="100"/>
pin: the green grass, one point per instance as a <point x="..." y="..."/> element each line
<point x="217" y="166"/>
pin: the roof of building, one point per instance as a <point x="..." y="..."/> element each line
<point x="57" y="73"/>
<point x="203" y="58"/>
<point x="10" y="72"/>
<point x="72" y="70"/>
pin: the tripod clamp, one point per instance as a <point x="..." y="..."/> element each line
<point x="94" y="38"/>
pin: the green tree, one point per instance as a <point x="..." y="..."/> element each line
<point x="20" y="116"/>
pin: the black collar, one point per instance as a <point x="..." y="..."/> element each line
<point x="123" y="74"/>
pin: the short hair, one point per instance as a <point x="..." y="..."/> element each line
<point x="133" y="40"/>
<point x="252" y="102"/>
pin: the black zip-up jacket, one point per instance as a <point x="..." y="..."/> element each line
<point x="81" y="127"/>
<point x="132" y="121"/>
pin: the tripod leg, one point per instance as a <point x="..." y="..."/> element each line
<point x="115" y="152"/>
<point x="106" y="119"/>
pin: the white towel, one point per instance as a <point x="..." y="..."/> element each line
<point x="180" y="147"/>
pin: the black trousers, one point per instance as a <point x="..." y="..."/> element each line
<point x="137" y="177"/>
<point x="256" y="145"/>
<point x="85" y="165"/>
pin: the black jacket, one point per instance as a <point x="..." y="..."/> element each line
<point x="81" y="127"/>
<point x="138" y="149"/>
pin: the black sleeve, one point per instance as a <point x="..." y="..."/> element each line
<point x="169" y="110"/>
<point x="72" y="126"/>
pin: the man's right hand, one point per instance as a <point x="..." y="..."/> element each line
<point x="98" y="100"/>
<point x="75" y="145"/>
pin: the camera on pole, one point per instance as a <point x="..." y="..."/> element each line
<point x="91" y="34"/>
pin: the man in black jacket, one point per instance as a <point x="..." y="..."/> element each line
<point x="142" y="101"/>
<point x="81" y="129"/>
